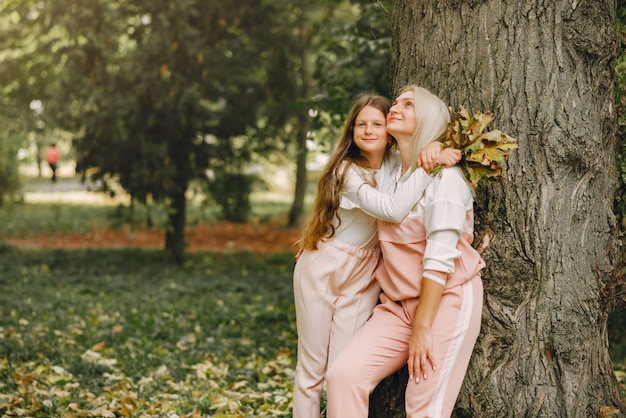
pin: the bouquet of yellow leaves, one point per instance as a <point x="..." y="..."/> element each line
<point x="482" y="153"/>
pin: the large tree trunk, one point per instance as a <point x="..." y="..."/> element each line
<point x="547" y="229"/>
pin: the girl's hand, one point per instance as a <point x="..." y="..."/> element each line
<point x="433" y="156"/>
<point x="449" y="157"/>
<point x="421" y="360"/>
<point x="298" y="254"/>
<point x="429" y="157"/>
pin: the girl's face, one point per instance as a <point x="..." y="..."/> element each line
<point x="401" y="117"/>
<point x="370" y="134"/>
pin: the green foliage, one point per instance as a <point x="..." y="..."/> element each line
<point x="352" y="56"/>
<point x="355" y="54"/>
<point x="122" y="332"/>
<point x="9" y="146"/>
<point x="232" y="194"/>
<point x="155" y="91"/>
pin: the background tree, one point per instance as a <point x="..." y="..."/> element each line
<point x="10" y="141"/>
<point x="354" y="56"/>
<point x="343" y="50"/>
<point x="27" y="81"/>
<point x="157" y="92"/>
<point x="547" y="232"/>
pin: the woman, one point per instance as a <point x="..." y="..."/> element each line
<point x="431" y="300"/>
<point x="334" y="289"/>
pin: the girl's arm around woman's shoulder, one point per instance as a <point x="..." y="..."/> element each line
<point x="393" y="207"/>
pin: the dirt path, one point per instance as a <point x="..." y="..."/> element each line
<point x="225" y="236"/>
<point x="218" y="237"/>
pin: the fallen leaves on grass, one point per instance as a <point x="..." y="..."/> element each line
<point x="120" y="333"/>
<point x="38" y="389"/>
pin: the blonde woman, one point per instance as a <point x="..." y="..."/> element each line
<point x="431" y="300"/>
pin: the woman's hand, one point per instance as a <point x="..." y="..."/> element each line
<point x="421" y="360"/>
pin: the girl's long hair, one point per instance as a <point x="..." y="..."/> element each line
<point x="431" y="121"/>
<point x="319" y="224"/>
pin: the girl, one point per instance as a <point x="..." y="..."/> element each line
<point x="334" y="289"/>
<point x="431" y="300"/>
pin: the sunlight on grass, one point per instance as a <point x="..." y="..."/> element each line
<point x="86" y="212"/>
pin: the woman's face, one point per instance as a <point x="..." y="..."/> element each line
<point x="401" y="117"/>
<point x="370" y="134"/>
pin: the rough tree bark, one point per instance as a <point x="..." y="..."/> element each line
<point x="547" y="230"/>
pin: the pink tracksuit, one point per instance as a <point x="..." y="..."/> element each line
<point x="335" y="294"/>
<point x="381" y="346"/>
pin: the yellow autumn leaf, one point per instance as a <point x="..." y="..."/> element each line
<point x="98" y="347"/>
<point x="125" y="411"/>
<point x="472" y="146"/>
<point x="486" y="156"/>
<point x="483" y="119"/>
<point x="482" y="152"/>
<point x="476" y="173"/>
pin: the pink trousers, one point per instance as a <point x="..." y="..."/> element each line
<point x="335" y="293"/>
<point x="381" y="347"/>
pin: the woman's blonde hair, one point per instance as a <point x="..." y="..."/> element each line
<point x="319" y="225"/>
<point x="431" y="120"/>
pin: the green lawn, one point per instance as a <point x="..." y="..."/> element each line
<point x="122" y="333"/>
<point x="110" y="333"/>
<point x="41" y="217"/>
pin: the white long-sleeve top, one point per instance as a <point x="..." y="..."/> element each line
<point x="447" y="207"/>
<point x="361" y="203"/>
<point x="448" y="210"/>
<point x="446" y="204"/>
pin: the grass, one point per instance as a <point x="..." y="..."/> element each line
<point x="122" y="333"/>
<point x="114" y="333"/>
<point x="49" y="212"/>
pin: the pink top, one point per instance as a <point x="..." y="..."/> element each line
<point x="52" y="155"/>
<point x="403" y="246"/>
<point x="437" y="235"/>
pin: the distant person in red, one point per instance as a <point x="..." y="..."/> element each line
<point x="52" y="156"/>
